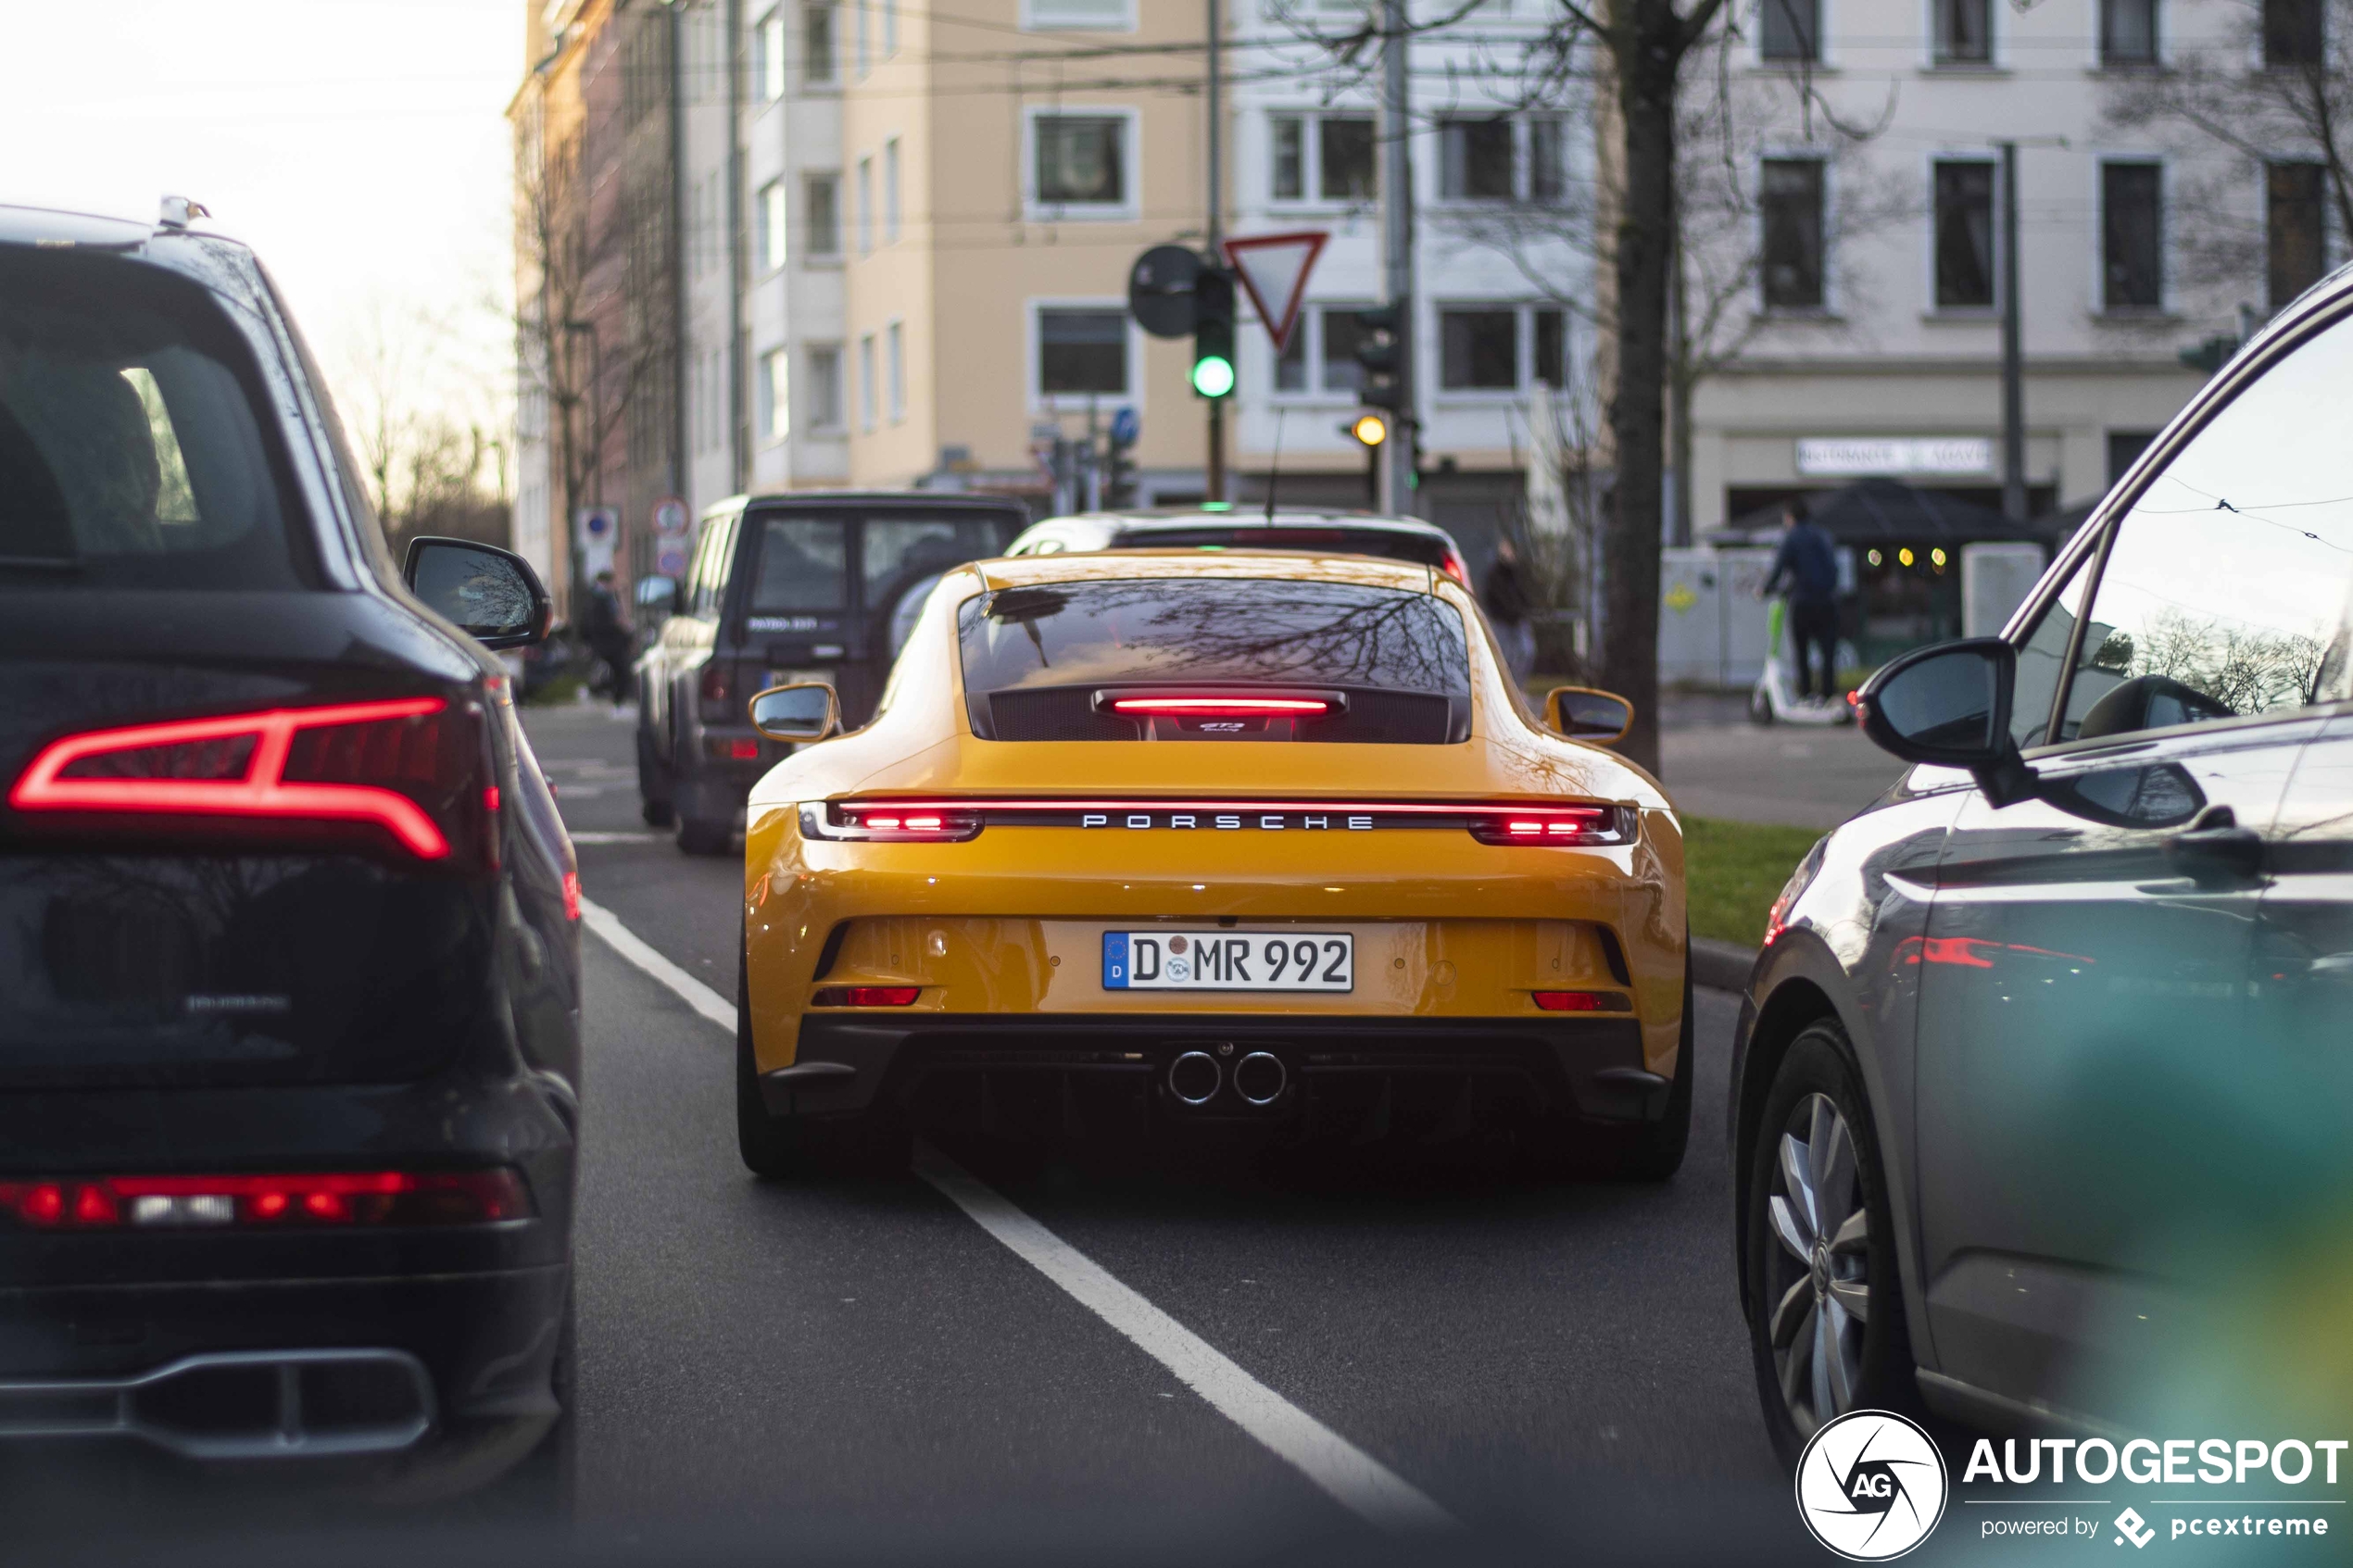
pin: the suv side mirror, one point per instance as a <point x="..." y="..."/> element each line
<point x="491" y="595"/>
<point x="657" y="595"/>
<point x="1582" y="713"/>
<point x="804" y="712"/>
<point x="1949" y="705"/>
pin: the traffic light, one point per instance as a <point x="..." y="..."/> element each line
<point x="1370" y="430"/>
<point x="1381" y="351"/>
<point x="1214" y="333"/>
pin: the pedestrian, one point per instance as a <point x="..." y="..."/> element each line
<point x="1510" y="607"/>
<point x="608" y="634"/>
<point x="1807" y="561"/>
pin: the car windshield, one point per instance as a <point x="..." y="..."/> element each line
<point x="130" y="455"/>
<point x="1249" y="629"/>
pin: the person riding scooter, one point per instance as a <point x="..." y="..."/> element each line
<point x="1809" y="565"/>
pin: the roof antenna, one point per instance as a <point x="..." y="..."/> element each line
<point x="1276" y="472"/>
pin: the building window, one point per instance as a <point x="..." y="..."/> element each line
<point x="1551" y="347"/>
<point x="770" y="240"/>
<point x="1082" y="352"/>
<point x="768" y="58"/>
<point x="1321" y="355"/>
<point x="2132" y="230"/>
<point x="817" y="44"/>
<point x="1791" y="197"/>
<point x="824" y="195"/>
<point x="773" y="393"/>
<point x="1964" y="32"/>
<point x="1078" y="16"/>
<point x="1964" y="235"/>
<point x="1475" y="158"/>
<point x="890" y="27"/>
<point x="1337" y="149"/>
<point x="2124" y="449"/>
<point x="2292" y="33"/>
<point x="2296" y="228"/>
<point x="1479" y="351"/>
<point x="821" y="402"/>
<point x="866" y="34"/>
<point x="2128" y="34"/>
<point x="1792" y="30"/>
<point x="865" y="205"/>
<point x="1080" y="161"/>
<point x="1547" y="166"/>
<point x="890" y="191"/>
<point x="895" y="338"/>
<point x="866" y="388"/>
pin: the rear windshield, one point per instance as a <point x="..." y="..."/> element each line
<point x="805" y="561"/>
<point x="1238" y="630"/>
<point x="1388" y="543"/>
<point x="131" y="454"/>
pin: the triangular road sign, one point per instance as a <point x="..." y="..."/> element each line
<point x="1273" y="269"/>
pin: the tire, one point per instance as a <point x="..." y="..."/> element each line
<point x="780" y="1147"/>
<point x="653" y="787"/>
<point x="704" y="835"/>
<point x="1842" y="1309"/>
<point x="1657" y="1150"/>
<point x="1760" y="707"/>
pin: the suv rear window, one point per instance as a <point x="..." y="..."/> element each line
<point x="1034" y="657"/>
<point x="131" y="452"/>
<point x="1386" y="543"/>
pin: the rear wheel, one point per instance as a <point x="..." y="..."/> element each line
<point x="653" y="785"/>
<point x="780" y="1147"/>
<point x="1825" y="1301"/>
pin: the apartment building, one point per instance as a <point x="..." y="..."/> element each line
<point x="1872" y="318"/>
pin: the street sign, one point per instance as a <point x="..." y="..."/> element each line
<point x="670" y="518"/>
<point x="671" y="561"/>
<point x="597" y="529"/>
<point x="1273" y="269"/>
<point x="1126" y="427"/>
<point x="1160" y="290"/>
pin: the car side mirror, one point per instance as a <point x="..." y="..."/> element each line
<point x="1582" y="713"/>
<point x="805" y="711"/>
<point x="489" y="593"/>
<point x="1949" y="706"/>
<point x="657" y="595"/>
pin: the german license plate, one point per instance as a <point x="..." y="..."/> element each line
<point x="1229" y="961"/>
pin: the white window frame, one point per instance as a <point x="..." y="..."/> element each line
<point x="869" y="397"/>
<point x="1929" y="309"/>
<point x="889" y="27"/>
<point x="895" y="370"/>
<point x="1523" y="350"/>
<point x="775" y="411"/>
<point x="890" y="191"/>
<point x="865" y="44"/>
<point x="2167" y="270"/>
<point x="1308" y="332"/>
<point x="1033" y="369"/>
<point x="1029" y="22"/>
<point x="831" y="79"/>
<point x="1996" y="40"/>
<point x="1773" y="151"/>
<point x="1131" y="150"/>
<point x="773" y="212"/>
<point x="814" y="252"/>
<point x="824" y="419"/>
<point x="1311" y="158"/>
<point x="866" y="204"/>
<point x="769" y="56"/>
<point x="1821" y="60"/>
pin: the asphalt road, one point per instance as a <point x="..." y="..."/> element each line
<point x="1545" y="1362"/>
<point x="1715" y="763"/>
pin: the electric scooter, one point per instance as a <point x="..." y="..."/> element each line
<point x="1774" y="698"/>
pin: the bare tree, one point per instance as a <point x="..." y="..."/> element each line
<point x="2263" y="108"/>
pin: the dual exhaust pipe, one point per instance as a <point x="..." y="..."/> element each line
<point x="1196" y="1076"/>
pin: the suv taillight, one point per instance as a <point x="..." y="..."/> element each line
<point x="717" y="690"/>
<point x="409" y="774"/>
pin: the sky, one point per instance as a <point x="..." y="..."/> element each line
<point x="359" y="146"/>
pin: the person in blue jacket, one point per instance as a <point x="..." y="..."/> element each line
<point x="1807" y="569"/>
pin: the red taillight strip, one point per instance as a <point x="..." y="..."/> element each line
<point x="1388" y="808"/>
<point x="1220" y="706"/>
<point x="351" y="1197"/>
<point x="262" y="792"/>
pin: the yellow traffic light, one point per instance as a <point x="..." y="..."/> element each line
<point x="1370" y="429"/>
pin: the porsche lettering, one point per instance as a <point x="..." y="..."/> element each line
<point x="1266" y="822"/>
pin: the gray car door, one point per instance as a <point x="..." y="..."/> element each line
<point x="2084" y="982"/>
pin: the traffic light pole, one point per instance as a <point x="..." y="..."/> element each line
<point x="1396" y="453"/>
<point x="1214" y="468"/>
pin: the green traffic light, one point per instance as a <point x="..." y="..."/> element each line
<point x="1213" y="377"/>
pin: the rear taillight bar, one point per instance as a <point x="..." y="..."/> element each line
<point x="1558" y="826"/>
<point x="1202" y="702"/>
<point x="337" y="763"/>
<point x="274" y="1201"/>
<point x="865" y="995"/>
<point x="888" y="821"/>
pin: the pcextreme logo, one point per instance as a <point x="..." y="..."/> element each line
<point x="1870" y="1486"/>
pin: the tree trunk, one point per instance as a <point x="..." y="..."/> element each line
<point x="1648" y="50"/>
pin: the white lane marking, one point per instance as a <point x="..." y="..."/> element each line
<point x="1355" y="1479"/>
<point x="627" y="943"/>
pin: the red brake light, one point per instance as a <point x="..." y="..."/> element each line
<point x="409" y="768"/>
<point x="715" y="689"/>
<point x="1556" y="825"/>
<point x="1223" y="707"/>
<point x="1453" y="567"/>
<point x="866" y="996"/>
<point x="1569" y="1001"/>
<point x="882" y="822"/>
<point x="572" y="895"/>
<point x="330" y="1198"/>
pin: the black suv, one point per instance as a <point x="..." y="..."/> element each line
<point x="289" y="960"/>
<point x="2042" y="1084"/>
<point x="811" y="586"/>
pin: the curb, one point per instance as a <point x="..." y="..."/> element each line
<point x="1722" y="966"/>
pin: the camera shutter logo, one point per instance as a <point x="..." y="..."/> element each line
<point x="1870" y="1486"/>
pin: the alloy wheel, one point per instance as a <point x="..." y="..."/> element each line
<point x="1819" y="1277"/>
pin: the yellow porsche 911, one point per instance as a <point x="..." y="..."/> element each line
<point x="1262" y="843"/>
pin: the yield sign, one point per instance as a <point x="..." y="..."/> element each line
<point x="1273" y="269"/>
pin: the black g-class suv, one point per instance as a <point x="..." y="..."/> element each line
<point x="816" y="585"/>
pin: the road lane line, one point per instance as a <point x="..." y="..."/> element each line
<point x="630" y="946"/>
<point x="1353" y="1478"/>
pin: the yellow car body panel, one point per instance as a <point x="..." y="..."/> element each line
<point x="1010" y="922"/>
